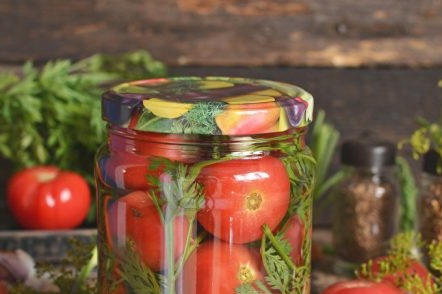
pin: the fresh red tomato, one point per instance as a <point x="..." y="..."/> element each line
<point x="294" y="234"/>
<point x="3" y="289"/>
<point x="135" y="217"/>
<point x="414" y="268"/>
<point x="45" y="197"/>
<point x="362" y="287"/>
<point x="217" y="267"/>
<point x="242" y="195"/>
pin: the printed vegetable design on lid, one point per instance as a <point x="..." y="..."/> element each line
<point x="208" y="106"/>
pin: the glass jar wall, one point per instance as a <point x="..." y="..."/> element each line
<point x="366" y="202"/>
<point x="430" y="200"/>
<point x="204" y="187"/>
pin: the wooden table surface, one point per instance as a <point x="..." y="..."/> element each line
<point x="51" y="246"/>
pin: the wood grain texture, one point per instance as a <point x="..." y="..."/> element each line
<point x="318" y="33"/>
<point x="383" y="101"/>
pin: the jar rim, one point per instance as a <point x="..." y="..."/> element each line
<point x="207" y="106"/>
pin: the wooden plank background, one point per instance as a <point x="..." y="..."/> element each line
<point x="370" y="64"/>
<point x="320" y="33"/>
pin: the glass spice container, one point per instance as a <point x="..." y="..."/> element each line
<point x="430" y="200"/>
<point x="204" y="187"/>
<point x="365" y="215"/>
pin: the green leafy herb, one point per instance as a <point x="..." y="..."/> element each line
<point x="135" y="273"/>
<point x="408" y="191"/>
<point x="276" y="257"/>
<point x="428" y="135"/>
<point x="52" y="115"/>
<point x="403" y="252"/>
<point x="323" y="143"/>
<point x="200" y="119"/>
<point x="282" y="274"/>
<point x="301" y="167"/>
<point x="257" y="287"/>
<point x="128" y="66"/>
<point x="174" y="194"/>
<point x="435" y="255"/>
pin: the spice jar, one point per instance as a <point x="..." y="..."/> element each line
<point x="204" y="187"/>
<point x="430" y="200"/>
<point x="365" y="215"/>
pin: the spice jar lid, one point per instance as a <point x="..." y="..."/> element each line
<point x="207" y="105"/>
<point x="368" y="152"/>
<point x="431" y="160"/>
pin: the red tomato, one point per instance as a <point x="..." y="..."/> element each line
<point x="294" y="234"/>
<point x="243" y="195"/>
<point x="217" y="267"/>
<point x="128" y="171"/>
<point x="44" y="197"/>
<point x="135" y="217"/>
<point x="414" y="268"/>
<point x="127" y="167"/>
<point x="3" y="289"/>
<point x="361" y="287"/>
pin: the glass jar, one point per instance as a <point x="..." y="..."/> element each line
<point x="430" y="200"/>
<point x="204" y="187"/>
<point x="365" y="215"/>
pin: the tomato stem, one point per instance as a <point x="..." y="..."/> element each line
<point x="44" y="177"/>
<point x="262" y="287"/>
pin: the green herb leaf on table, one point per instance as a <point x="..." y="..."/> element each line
<point x="71" y="275"/>
<point x="52" y="115"/>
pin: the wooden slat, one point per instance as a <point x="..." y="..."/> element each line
<point x="228" y="32"/>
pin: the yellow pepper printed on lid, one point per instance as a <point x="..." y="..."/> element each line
<point x="166" y="109"/>
<point x="207" y="85"/>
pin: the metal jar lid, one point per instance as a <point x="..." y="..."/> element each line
<point x="207" y="105"/>
<point x="368" y="153"/>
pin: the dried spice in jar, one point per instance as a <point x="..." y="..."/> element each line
<point x="365" y="214"/>
<point x="430" y="200"/>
